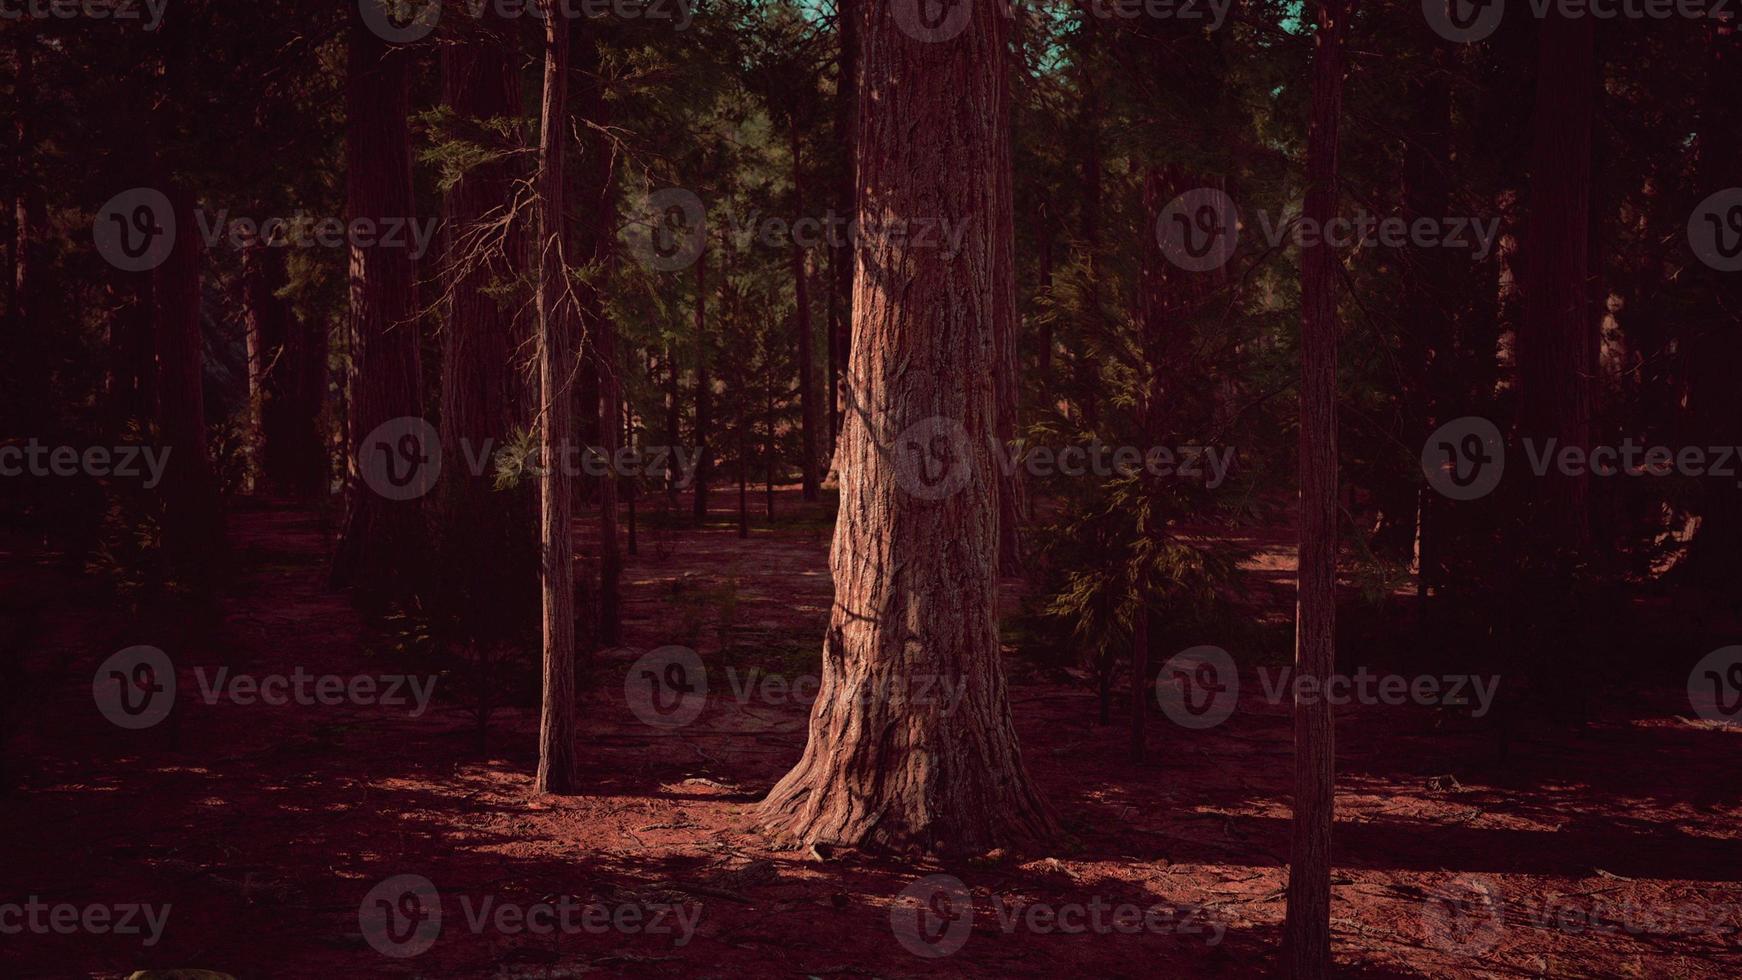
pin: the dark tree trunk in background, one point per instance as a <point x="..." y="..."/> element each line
<point x="841" y="259"/>
<point x="488" y="549"/>
<point x="704" y="394"/>
<point x="1088" y="365"/>
<point x="673" y="409"/>
<point x="916" y="577"/>
<point x="596" y="183"/>
<point x="1307" y="930"/>
<point x="132" y="343"/>
<point x="1715" y="396"/>
<point x="1412" y="512"/>
<point x="744" y="460"/>
<point x="611" y="427"/>
<point x="556" y="366"/>
<point x="1045" y="343"/>
<point x="768" y="449"/>
<point x="801" y="322"/>
<point x="831" y="372"/>
<point x="1557" y="341"/>
<point x="382" y="550"/>
<point x="28" y="220"/>
<point x="271" y="375"/>
<point x="193" y="529"/>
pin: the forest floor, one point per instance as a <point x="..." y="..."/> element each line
<point x="1612" y="849"/>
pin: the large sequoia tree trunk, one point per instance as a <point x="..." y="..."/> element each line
<point x="488" y="553"/>
<point x="556" y="735"/>
<point x="1715" y="398"/>
<point x="382" y="546"/>
<point x="1307" y="931"/>
<point x="802" y="324"/>
<point x="895" y="756"/>
<point x="193" y="531"/>
<point x="1557" y="342"/>
<point x="1011" y="505"/>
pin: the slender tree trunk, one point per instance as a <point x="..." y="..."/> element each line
<point x="831" y="373"/>
<point x="1088" y="364"/>
<point x="916" y="569"/>
<point x="556" y="366"/>
<point x="630" y="430"/>
<point x="743" y="459"/>
<point x="1307" y="930"/>
<point x="768" y="454"/>
<point x="842" y="253"/>
<point x="596" y="183"/>
<point x="802" y="324"/>
<point x="271" y="381"/>
<point x="673" y="408"/>
<point x="1427" y="342"/>
<point x="704" y="463"/>
<point x="382" y="547"/>
<point x="611" y="424"/>
<point x="1557" y="343"/>
<point x="1047" y="236"/>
